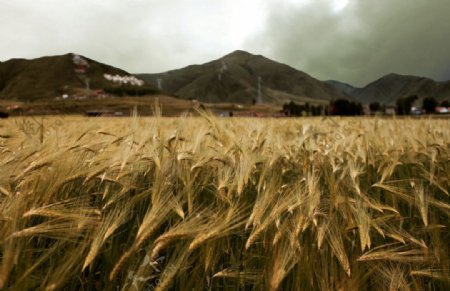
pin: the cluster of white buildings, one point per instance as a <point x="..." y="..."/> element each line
<point x="123" y="80"/>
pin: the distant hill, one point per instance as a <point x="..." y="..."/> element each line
<point x="239" y="77"/>
<point x="236" y="78"/>
<point x="389" y="88"/>
<point x="347" y="88"/>
<point x="47" y="77"/>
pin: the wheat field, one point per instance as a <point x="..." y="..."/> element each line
<point x="224" y="204"/>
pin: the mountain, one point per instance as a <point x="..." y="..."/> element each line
<point x="346" y="88"/>
<point x="389" y="88"/>
<point x="236" y="77"/>
<point x="47" y="77"/>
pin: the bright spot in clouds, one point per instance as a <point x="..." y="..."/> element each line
<point x="339" y="5"/>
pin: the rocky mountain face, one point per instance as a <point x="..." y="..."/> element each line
<point x="244" y="78"/>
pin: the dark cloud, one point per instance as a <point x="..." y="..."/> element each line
<point x="362" y="42"/>
<point x="136" y="35"/>
<point x="367" y="39"/>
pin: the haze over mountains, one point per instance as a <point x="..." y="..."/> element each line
<point x="239" y="77"/>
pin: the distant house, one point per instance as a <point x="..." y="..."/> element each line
<point x="366" y="110"/>
<point x="80" y="69"/>
<point x="415" y="110"/>
<point x="390" y="110"/>
<point x="100" y="94"/>
<point x="442" y="110"/>
<point x="12" y="107"/>
<point x="80" y="64"/>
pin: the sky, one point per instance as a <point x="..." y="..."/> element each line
<point x="354" y="41"/>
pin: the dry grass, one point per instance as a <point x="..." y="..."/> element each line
<point x="210" y="204"/>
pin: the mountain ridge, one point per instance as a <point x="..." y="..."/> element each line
<point x="389" y="88"/>
<point x="50" y="76"/>
<point x="237" y="76"/>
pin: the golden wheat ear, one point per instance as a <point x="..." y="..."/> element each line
<point x="206" y="203"/>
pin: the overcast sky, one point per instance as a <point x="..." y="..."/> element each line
<point x="355" y="41"/>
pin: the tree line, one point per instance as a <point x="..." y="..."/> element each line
<point x="429" y="104"/>
<point x="336" y="107"/>
<point x="345" y="107"/>
<point x="128" y="90"/>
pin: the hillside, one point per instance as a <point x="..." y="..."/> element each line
<point x="236" y="78"/>
<point x="47" y="77"/>
<point x="346" y="88"/>
<point x="389" y="88"/>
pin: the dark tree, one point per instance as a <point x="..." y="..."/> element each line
<point x="429" y="104"/>
<point x="320" y="109"/>
<point x="3" y="114"/>
<point x="445" y="103"/>
<point x="316" y="110"/>
<point x="346" y="108"/>
<point x="307" y="108"/>
<point x="359" y="110"/>
<point x="400" y="104"/>
<point x="128" y="90"/>
<point x="404" y="104"/>
<point x="375" y="107"/>
<point x="292" y="109"/>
